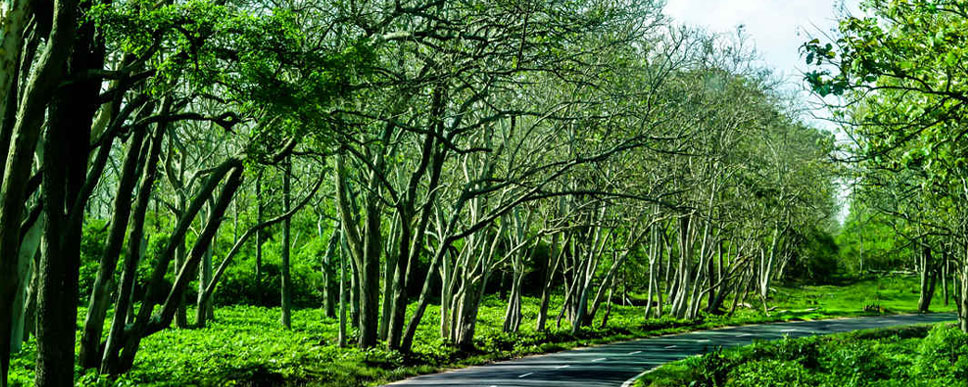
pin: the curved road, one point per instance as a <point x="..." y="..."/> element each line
<point x="616" y="364"/>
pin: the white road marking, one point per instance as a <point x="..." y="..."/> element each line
<point x="746" y="334"/>
<point x="635" y="353"/>
<point x="600" y="359"/>
<point x="525" y="375"/>
<point x="703" y="341"/>
<point x="671" y="346"/>
<point x="562" y="366"/>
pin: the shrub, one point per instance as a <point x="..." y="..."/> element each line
<point x="854" y="362"/>
<point x="763" y="373"/>
<point x="943" y="355"/>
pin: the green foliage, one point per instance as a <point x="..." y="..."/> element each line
<point x="818" y="259"/>
<point x="247" y="345"/>
<point x="918" y="355"/>
<point x="92" y="249"/>
<point x="870" y="237"/>
<point x="764" y="373"/>
<point x="943" y="355"/>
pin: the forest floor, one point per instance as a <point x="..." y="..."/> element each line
<point x="246" y="345"/>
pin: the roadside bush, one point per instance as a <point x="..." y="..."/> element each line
<point x="943" y="355"/>
<point x="853" y="362"/>
<point x="804" y="351"/>
<point x="765" y="373"/>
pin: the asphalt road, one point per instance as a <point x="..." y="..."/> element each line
<point x="615" y="364"/>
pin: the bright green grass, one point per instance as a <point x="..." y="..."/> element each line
<point x="246" y="345"/>
<point x="896" y="294"/>
<point x="925" y="355"/>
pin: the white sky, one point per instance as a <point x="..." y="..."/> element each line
<point x="776" y="28"/>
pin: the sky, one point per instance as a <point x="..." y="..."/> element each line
<point x="776" y="28"/>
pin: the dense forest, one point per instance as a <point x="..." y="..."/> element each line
<point x="377" y="159"/>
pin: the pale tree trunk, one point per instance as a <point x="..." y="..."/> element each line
<point x="516" y="238"/>
<point x="766" y="268"/>
<point x="343" y="293"/>
<point x="329" y="291"/>
<point x="204" y="277"/>
<point x="446" y="285"/>
<point x="963" y="288"/>
<point x="286" y="285"/>
<point x="259" y="235"/>
<point x="365" y="248"/>
<point x="28" y="250"/>
<point x="389" y="269"/>
<point x="597" y="244"/>
<point x="929" y="277"/>
<point x="552" y="267"/>
<point x="473" y="281"/>
<point x="945" y="275"/>
<point x="654" y="255"/>
<point x="684" y="274"/>
<point x="181" y="315"/>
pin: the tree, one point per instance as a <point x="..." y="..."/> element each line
<point x="899" y="71"/>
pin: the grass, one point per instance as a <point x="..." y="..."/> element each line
<point x="922" y="355"/>
<point x="245" y="345"/>
<point x="895" y="294"/>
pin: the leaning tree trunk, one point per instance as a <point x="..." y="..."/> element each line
<point x="146" y="322"/>
<point x="134" y="249"/>
<point x="90" y="355"/>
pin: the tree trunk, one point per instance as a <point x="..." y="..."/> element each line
<point x="286" y="241"/>
<point x="132" y="254"/>
<point x="929" y="276"/>
<point x="550" y="270"/>
<point x="28" y="250"/>
<point x="90" y="350"/>
<point x="204" y="279"/>
<point x="123" y="341"/>
<point x="64" y="198"/>
<point x="343" y="294"/>
<point x="329" y="291"/>
<point x="181" y="314"/>
<point x="259" y="235"/>
<point x="38" y="91"/>
<point x="147" y="323"/>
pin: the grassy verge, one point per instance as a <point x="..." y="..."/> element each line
<point x="923" y="355"/>
<point x="246" y="345"/>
